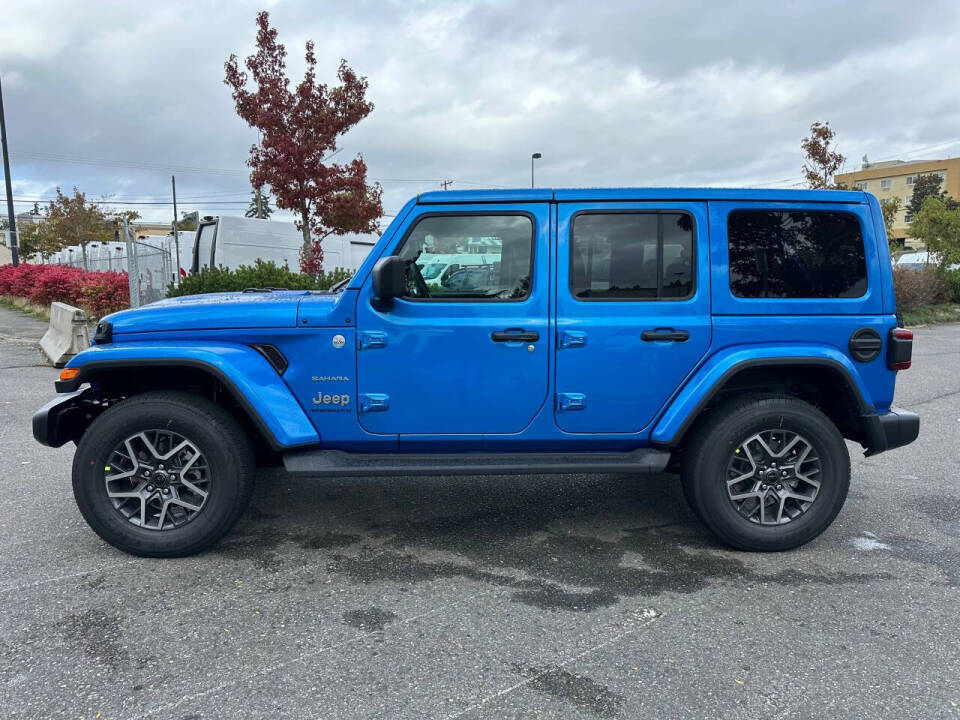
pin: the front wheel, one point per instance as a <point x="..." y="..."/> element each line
<point x="163" y="474"/>
<point x="767" y="473"/>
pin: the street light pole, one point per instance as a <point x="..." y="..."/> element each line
<point x="14" y="245"/>
<point x="535" y="156"/>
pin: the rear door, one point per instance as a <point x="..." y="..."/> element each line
<point x="633" y="310"/>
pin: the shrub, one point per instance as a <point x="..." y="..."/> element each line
<point x="106" y="292"/>
<point x="914" y="288"/>
<point x="953" y="281"/>
<point x="56" y="284"/>
<point x="259" y="275"/>
<point x="99" y="293"/>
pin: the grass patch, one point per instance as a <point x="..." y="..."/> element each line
<point x="931" y="314"/>
<point x="12" y="302"/>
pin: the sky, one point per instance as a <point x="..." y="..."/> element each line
<point x="114" y="97"/>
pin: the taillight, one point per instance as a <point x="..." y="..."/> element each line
<point x="900" y="349"/>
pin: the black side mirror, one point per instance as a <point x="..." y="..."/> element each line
<point x="390" y="277"/>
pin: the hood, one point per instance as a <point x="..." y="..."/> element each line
<point x="215" y="311"/>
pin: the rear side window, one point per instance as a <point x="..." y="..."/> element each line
<point x="631" y="256"/>
<point x="796" y="254"/>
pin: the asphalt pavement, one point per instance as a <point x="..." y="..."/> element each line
<point x="507" y="597"/>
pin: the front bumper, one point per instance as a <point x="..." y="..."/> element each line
<point x="64" y="418"/>
<point x="891" y="429"/>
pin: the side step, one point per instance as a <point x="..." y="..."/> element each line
<point x="339" y="463"/>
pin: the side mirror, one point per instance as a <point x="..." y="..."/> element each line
<point x="390" y="277"/>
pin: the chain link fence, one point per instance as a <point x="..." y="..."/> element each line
<point x="148" y="262"/>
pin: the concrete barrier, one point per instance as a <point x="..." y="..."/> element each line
<point x="67" y="335"/>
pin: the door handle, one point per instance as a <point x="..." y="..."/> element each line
<point x="665" y="334"/>
<point x="515" y="335"/>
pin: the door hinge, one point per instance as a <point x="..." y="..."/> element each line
<point x="374" y="402"/>
<point x="571" y="401"/>
<point x="571" y="339"/>
<point x="371" y="339"/>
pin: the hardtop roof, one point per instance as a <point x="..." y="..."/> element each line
<point x="447" y="197"/>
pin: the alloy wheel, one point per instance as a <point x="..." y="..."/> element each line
<point x="157" y="479"/>
<point x="773" y="477"/>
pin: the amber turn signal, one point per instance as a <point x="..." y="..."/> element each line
<point x="69" y="373"/>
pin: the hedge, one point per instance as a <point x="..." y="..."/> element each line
<point x="259" y="275"/>
<point x="99" y="293"/>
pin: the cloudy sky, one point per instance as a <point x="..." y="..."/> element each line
<point x="113" y="97"/>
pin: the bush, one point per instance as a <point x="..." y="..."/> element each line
<point x="953" y="282"/>
<point x="99" y="293"/>
<point x="914" y="288"/>
<point x="259" y="275"/>
<point x="106" y="292"/>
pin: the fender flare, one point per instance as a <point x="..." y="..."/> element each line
<point x="710" y="378"/>
<point x="246" y="374"/>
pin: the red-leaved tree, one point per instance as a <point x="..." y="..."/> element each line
<point x="299" y="129"/>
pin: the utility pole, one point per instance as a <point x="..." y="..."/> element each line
<point x="176" y="231"/>
<point x="446" y="183"/>
<point x="14" y="244"/>
<point x="259" y="210"/>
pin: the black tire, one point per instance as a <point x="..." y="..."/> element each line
<point x="709" y="451"/>
<point x="210" y="427"/>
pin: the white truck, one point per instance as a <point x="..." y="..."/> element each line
<point x="229" y="242"/>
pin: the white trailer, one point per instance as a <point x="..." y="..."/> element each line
<point x="229" y="242"/>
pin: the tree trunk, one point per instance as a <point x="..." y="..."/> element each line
<point x="83" y="252"/>
<point x="305" y="220"/>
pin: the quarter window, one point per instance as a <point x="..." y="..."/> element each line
<point x="470" y="257"/>
<point x="631" y="256"/>
<point x="789" y="254"/>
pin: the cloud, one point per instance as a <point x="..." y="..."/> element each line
<point x="617" y="93"/>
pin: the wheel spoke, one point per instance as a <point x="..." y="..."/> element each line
<point x="163" y="511"/>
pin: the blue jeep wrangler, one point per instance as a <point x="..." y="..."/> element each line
<point x="736" y="335"/>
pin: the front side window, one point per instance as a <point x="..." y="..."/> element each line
<point x="470" y="257"/>
<point x="802" y="254"/>
<point x="631" y="256"/>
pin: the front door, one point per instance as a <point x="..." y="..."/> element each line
<point x="467" y="353"/>
<point x="633" y="310"/>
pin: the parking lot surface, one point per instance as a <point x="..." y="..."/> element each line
<point x="558" y="596"/>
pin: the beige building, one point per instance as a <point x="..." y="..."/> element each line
<point x="895" y="178"/>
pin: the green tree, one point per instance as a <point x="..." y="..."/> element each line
<point x="259" y="205"/>
<point x="78" y="222"/>
<point x="820" y="162"/>
<point x="924" y="186"/>
<point x="938" y="225"/>
<point x="187" y="222"/>
<point x="890" y="207"/>
<point x="38" y="239"/>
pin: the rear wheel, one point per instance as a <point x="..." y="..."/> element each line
<point x="163" y="474"/>
<point x="767" y="473"/>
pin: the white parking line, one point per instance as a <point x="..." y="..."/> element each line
<point x="646" y="617"/>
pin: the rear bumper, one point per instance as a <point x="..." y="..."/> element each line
<point x="63" y="418"/>
<point x="891" y="429"/>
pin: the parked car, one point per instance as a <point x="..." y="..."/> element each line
<point x="737" y="335"/>
<point x="920" y="259"/>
